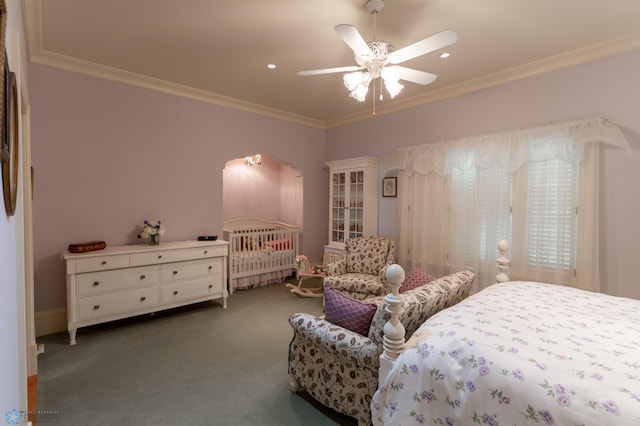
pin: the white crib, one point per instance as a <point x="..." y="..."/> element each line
<point x="260" y="252"/>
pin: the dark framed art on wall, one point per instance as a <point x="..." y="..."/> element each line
<point x="390" y="187"/>
<point x="4" y="144"/>
<point x="10" y="127"/>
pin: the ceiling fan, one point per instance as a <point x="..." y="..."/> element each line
<point x="379" y="59"/>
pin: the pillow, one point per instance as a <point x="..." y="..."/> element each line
<point x="414" y="279"/>
<point x="277" y="244"/>
<point x="366" y="255"/>
<point x="346" y="312"/>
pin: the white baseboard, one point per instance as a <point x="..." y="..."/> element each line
<point x="51" y="321"/>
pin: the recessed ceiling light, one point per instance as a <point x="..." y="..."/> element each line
<point x="271" y="66"/>
<point x="445" y="55"/>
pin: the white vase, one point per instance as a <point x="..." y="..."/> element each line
<point x="153" y="240"/>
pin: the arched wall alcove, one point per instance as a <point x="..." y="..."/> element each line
<point x="271" y="191"/>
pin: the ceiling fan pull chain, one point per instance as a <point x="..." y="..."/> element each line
<point x="374" y="98"/>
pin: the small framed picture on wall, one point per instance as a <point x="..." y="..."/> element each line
<point x="390" y="187"/>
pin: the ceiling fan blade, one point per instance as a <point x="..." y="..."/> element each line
<point x="415" y="76"/>
<point x="422" y="47"/>
<point x="352" y="37"/>
<point x="330" y="70"/>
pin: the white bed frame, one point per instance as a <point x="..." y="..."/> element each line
<point x="258" y="247"/>
<point x="394" y="332"/>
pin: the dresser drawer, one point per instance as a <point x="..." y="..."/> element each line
<point x="102" y="263"/>
<point x="157" y="256"/>
<point x="117" y="303"/>
<point x="175" y="293"/>
<point x="208" y="251"/>
<point x="101" y="282"/>
<point x="192" y="269"/>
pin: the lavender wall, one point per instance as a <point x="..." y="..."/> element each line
<point x="608" y="88"/>
<point x="108" y="155"/>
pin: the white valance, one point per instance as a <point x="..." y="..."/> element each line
<point x="509" y="150"/>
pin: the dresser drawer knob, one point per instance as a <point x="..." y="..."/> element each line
<point x="96" y="307"/>
<point x="159" y="256"/>
<point x="175" y="272"/>
<point x="210" y="267"/>
<point x="210" y="285"/>
<point x="175" y="292"/>
<point x="96" y="283"/>
<point x="104" y="262"/>
<point x="205" y="252"/>
<point x="142" y="299"/>
<point x="143" y="276"/>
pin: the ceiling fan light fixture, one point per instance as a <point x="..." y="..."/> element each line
<point x="359" y="93"/>
<point x="391" y="75"/>
<point x="353" y="79"/>
<point x="393" y="87"/>
<point x="358" y="84"/>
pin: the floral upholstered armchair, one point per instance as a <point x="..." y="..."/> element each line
<point x="338" y="366"/>
<point x="361" y="272"/>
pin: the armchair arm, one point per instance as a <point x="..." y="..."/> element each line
<point x="333" y="339"/>
<point x="338" y="267"/>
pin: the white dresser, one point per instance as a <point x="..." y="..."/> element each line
<point x="123" y="281"/>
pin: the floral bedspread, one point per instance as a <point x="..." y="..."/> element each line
<point x="520" y="353"/>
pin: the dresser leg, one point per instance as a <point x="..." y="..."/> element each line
<point x="72" y="337"/>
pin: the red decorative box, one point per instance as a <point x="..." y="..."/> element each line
<point x="85" y="247"/>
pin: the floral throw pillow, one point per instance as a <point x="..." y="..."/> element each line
<point x="346" y="312"/>
<point x="414" y="279"/>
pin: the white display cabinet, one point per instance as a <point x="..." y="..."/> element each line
<point x="353" y="200"/>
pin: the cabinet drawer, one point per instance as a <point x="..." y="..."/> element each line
<point x="117" y="303"/>
<point x="101" y="282"/>
<point x="157" y="256"/>
<point x="102" y="263"/>
<point x="174" y="293"/>
<point x="209" y="251"/>
<point x="192" y="269"/>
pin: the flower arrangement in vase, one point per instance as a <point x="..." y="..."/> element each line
<point x="151" y="231"/>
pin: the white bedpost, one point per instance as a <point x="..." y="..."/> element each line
<point x="393" y="330"/>
<point x="503" y="262"/>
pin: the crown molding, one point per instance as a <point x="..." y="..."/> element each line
<point x="109" y="73"/>
<point x="37" y="55"/>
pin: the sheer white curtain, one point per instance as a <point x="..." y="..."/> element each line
<point x="456" y="198"/>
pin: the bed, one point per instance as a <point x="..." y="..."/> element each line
<point x="519" y="353"/>
<point x="261" y="252"/>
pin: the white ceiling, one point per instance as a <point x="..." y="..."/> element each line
<point x="217" y="50"/>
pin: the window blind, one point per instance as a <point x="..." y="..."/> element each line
<point x="551" y="218"/>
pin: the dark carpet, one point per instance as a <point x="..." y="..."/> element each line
<point x="196" y="365"/>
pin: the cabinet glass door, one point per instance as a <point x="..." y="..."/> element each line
<point x="338" y="207"/>
<point x="356" y="203"/>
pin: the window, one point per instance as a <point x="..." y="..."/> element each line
<point x="458" y="198"/>
<point x="480" y="210"/>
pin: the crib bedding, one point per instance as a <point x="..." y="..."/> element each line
<point x="519" y="353"/>
<point x="260" y="252"/>
<point x="269" y="264"/>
